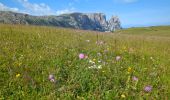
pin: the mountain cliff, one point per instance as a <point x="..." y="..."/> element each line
<point x="86" y="21"/>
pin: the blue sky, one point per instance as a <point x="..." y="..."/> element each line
<point x="132" y="13"/>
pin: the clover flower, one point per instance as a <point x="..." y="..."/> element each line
<point x="81" y="56"/>
<point x="118" y="58"/>
<point x="148" y="88"/>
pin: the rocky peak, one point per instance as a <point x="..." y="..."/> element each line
<point x="86" y="21"/>
<point x="114" y="23"/>
<point x="99" y="19"/>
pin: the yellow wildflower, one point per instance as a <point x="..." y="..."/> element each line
<point x="123" y="96"/>
<point x="129" y="69"/>
<point x="18" y="75"/>
<point x="94" y="59"/>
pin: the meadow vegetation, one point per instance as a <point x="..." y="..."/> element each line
<point x="38" y="62"/>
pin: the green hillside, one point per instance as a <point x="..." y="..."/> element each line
<point x="43" y="63"/>
<point x="154" y="30"/>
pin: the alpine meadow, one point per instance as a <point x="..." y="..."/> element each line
<point x="49" y="63"/>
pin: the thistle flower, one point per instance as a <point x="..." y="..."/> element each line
<point x="148" y="88"/>
<point x="118" y="58"/>
<point x="81" y="56"/>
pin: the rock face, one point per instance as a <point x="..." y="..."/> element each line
<point x="86" y="21"/>
<point x="114" y="24"/>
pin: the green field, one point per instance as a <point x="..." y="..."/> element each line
<point x="29" y="54"/>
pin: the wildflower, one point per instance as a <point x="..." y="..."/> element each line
<point x="148" y="88"/>
<point x="94" y="59"/>
<point x="118" y="58"/>
<point x="123" y="96"/>
<point x="100" y="66"/>
<point x="134" y="78"/>
<point x="151" y="58"/>
<point x="95" y="67"/>
<point x="99" y="54"/>
<point x="51" y="78"/>
<point x="99" y="61"/>
<point x="129" y="69"/>
<point x="92" y="62"/>
<point x="92" y="67"/>
<point x="18" y="75"/>
<point x="81" y="56"/>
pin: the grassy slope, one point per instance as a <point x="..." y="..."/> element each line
<point x="35" y="52"/>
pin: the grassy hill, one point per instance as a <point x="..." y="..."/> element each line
<point x="43" y="63"/>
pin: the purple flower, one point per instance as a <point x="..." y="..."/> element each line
<point x="118" y="58"/>
<point x="148" y="88"/>
<point x="81" y="56"/>
<point x="134" y="78"/>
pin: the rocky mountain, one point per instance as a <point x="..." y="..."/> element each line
<point x="86" y="21"/>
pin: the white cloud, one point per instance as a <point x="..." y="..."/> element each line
<point x="36" y="9"/>
<point x="64" y="11"/>
<point x="6" y="8"/>
<point x="43" y="9"/>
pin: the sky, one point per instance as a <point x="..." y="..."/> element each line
<point x="132" y="13"/>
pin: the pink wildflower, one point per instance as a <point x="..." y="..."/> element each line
<point x="81" y="56"/>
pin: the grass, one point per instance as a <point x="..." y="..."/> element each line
<point x="29" y="54"/>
